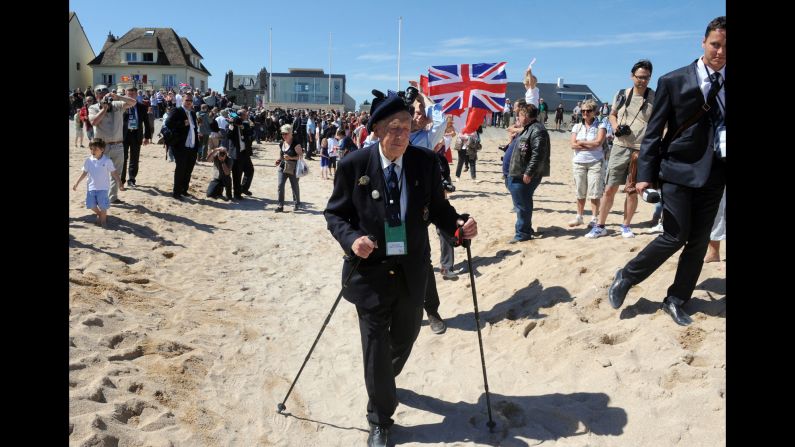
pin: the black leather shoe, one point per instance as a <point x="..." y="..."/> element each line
<point x="279" y="209"/>
<point x="436" y="323"/>
<point x="618" y="290"/>
<point x="379" y="436"/>
<point x="673" y="307"/>
<point x="247" y="192"/>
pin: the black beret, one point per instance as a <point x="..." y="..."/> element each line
<point x="386" y="106"/>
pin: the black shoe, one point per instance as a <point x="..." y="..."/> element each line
<point x="239" y="197"/>
<point x="117" y="201"/>
<point x="297" y="207"/>
<point x="247" y="192"/>
<point x="618" y="290"/>
<point x="436" y="323"/>
<point x="177" y="196"/>
<point x="131" y="183"/>
<point x="279" y="209"/>
<point x="673" y="307"/>
<point x="379" y="436"/>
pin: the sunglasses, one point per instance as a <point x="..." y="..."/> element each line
<point x="587" y="110"/>
<point x="643" y="78"/>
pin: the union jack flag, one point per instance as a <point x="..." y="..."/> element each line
<point x="464" y="86"/>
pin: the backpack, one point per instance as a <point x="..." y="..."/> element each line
<point x="169" y="137"/>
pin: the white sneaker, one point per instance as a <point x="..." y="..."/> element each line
<point x="626" y="231"/>
<point x="596" y="232"/>
<point x="594" y="221"/>
<point x="576" y="221"/>
<point x="657" y="228"/>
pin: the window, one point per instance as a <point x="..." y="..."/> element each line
<point x="78" y="66"/>
<point x="131" y="57"/>
<point x="191" y="82"/>
<point x="169" y="80"/>
<point x="108" y="79"/>
<point x="202" y="86"/>
<point x="149" y="57"/>
<point x="149" y="32"/>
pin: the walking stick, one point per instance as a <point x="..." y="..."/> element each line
<point x="281" y="407"/>
<point x="466" y="243"/>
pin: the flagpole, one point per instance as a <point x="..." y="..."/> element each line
<point x="270" y="72"/>
<point x="329" y="69"/>
<point x="400" y="26"/>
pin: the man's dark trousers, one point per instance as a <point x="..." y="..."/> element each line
<point x="242" y="173"/>
<point x="688" y="215"/>
<point x="132" y="148"/>
<point x="388" y="332"/>
<point x="185" y="160"/>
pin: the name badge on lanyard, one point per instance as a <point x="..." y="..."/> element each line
<point x="395" y="239"/>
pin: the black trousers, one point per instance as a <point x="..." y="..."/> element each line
<point x="388" y="333"/>
<point x="463" y="159"/>
<point x="242" y="173"/>
<point x="431" y="303"/>
<point x="185" y="160"/>
<point x="132" y="152"/>
<point x="219" y="185"/>
<point x="688" y="217"/>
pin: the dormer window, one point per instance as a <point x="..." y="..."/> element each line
<point x="149" y="57"/>
<point x="149" y="32"/>
<point x="131" y="57"/>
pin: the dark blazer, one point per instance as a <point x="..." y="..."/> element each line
<point x="176" y="122"/>
<point x="144" y="130"/>
<point x="688" y="159"/>
<point x="352" y="212"/>
<point x="234" y="141"/>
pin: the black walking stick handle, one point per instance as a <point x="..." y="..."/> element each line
<point x="282" y="407"/>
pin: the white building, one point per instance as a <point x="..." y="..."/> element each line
<point x="80" y="54"/>
<point x="150" y="58"/>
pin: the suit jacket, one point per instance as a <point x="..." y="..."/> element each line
<point x="234" y="141"/>
<point x="688" y="159"/>
<point x="352" y="212"/>
<point x="143" y="131"/>
<point x="176" y="122"/>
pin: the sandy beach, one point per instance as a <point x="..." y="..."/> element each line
<point x="189" y="320"/>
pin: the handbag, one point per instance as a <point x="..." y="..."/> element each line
<point x="289" y="167"/>
<point x="301" y="168"/>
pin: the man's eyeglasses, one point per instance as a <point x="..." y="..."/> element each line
<point x="643" y="78"/>
<point x="587" y="110"/>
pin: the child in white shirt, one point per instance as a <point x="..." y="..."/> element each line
<point x="98" y="168"/>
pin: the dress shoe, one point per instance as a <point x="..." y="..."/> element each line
<point x="177" y="196"/>
<point x="379" y="436"/>
<point x="673" y="307"/>
<point x="247" y="192"/>
<point x="436" y="323"/>
<point x="618" y="290"/>
<point x="239" y="197"/>
<point x="279" y="209"/>
<point x="131" y="183"/>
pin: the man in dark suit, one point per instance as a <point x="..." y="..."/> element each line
<point x="391" y="191"/>
<point x="182" y="121"/>
<point x="136" y="131"/>
<point x="689" y="164"/>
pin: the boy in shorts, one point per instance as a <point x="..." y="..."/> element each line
<point x="98" y="168"/>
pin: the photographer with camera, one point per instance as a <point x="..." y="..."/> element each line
<point x="629" y="116"/>
<point x="107" y="117"/>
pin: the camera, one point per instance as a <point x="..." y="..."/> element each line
<point x="651" y="195"/>
<point x="107" y="99"/>
<point x="449" y="187"/>
<point x="622" y="130"/>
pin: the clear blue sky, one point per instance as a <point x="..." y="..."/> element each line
<point x="584" y="42"/>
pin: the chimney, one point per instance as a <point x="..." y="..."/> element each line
<point x="110" y="37"/>
<point x="560" y="82"/>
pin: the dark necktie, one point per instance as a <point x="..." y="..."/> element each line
<point x="714" y="111"/>
<point x="393" y="202"/>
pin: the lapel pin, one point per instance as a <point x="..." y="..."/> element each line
<point x="364" y="180"/>
<point x="375" y="194"/>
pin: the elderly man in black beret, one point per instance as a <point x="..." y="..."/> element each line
<point x="390" y="191"/>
